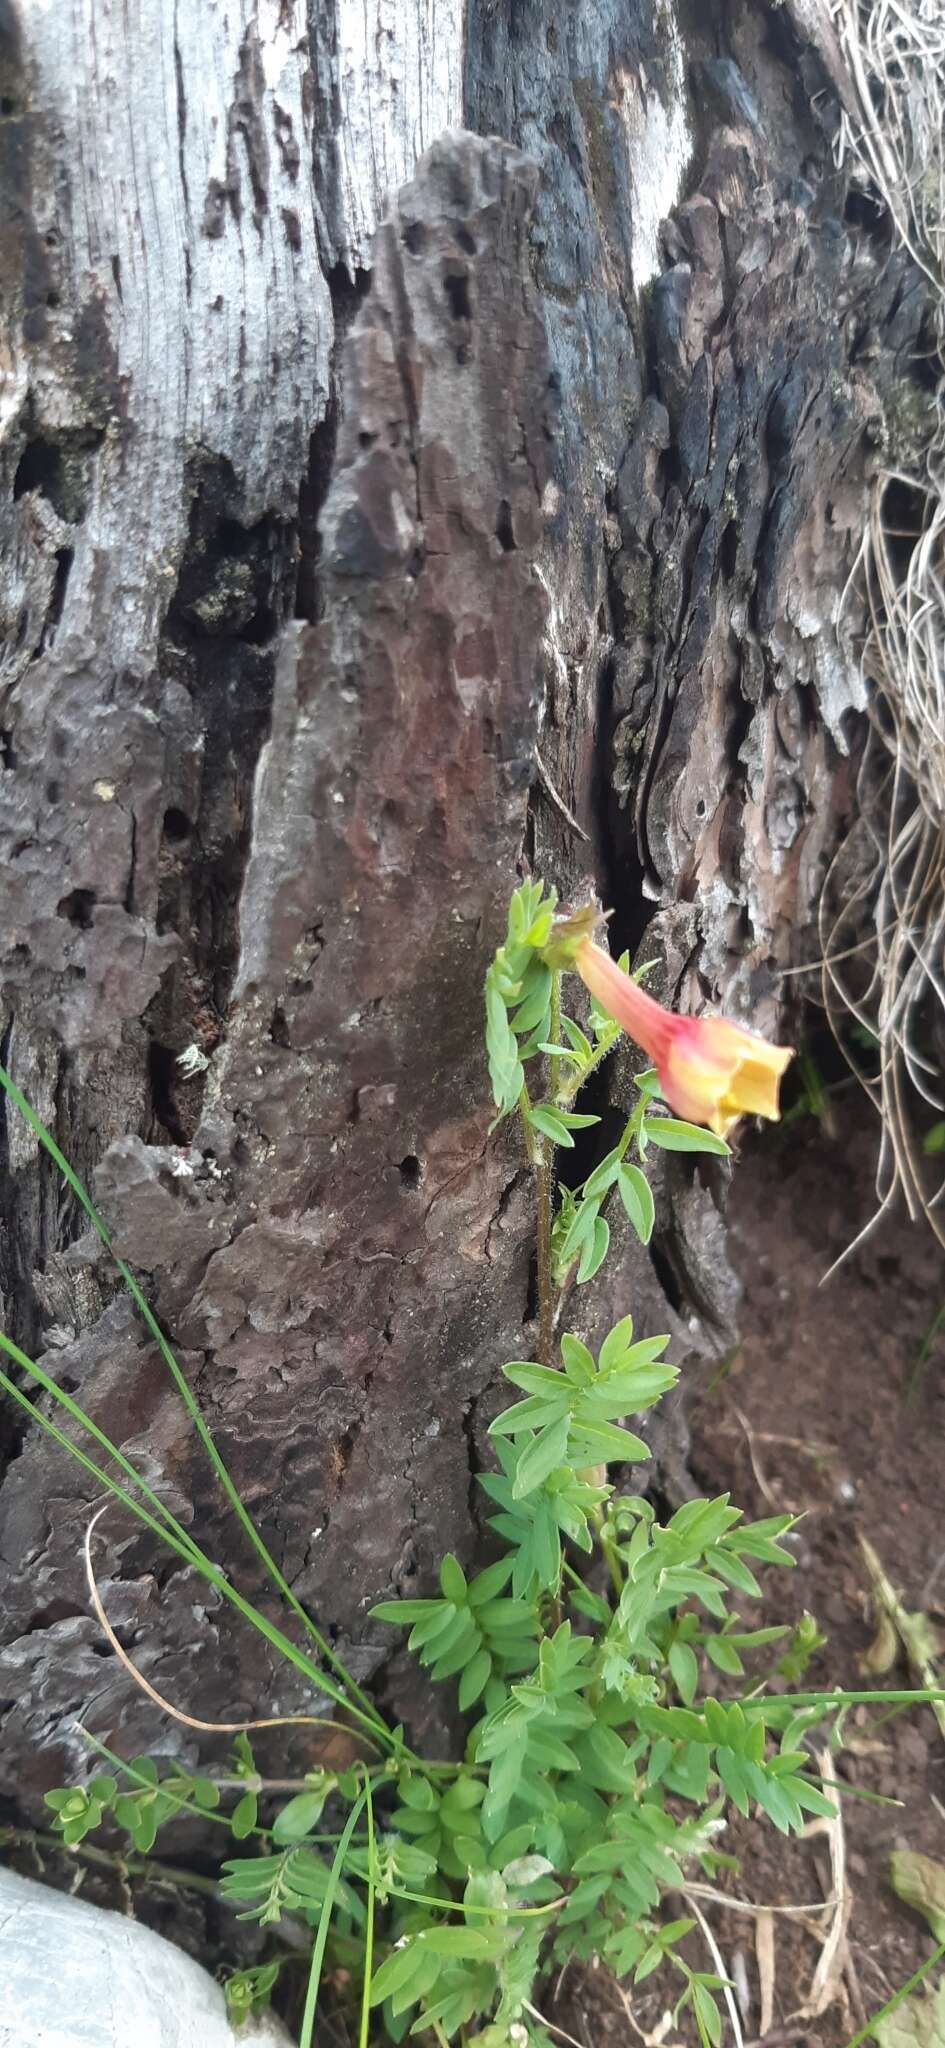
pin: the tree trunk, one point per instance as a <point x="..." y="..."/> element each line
<point x="345" y="569"/>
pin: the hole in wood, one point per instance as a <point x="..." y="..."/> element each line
<point x="162" y="1075"/>
<point x="456" y="287"/>
<point x="279" y="1029"/>
<point x="176" y="824"/>
<point x="503" y="527"/>
<point x="78" y="907"/>
<point x="40" y="468"/>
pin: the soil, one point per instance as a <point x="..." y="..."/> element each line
<point x="824" y="1410"/>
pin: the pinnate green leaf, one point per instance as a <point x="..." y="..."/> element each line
<point x="243" y="1816"/>
<point x="578" y="1362"/>
<point x="540" y="1457"/>
<point x="551" y="1124"/>
<point x="637" y="1198"/>
<point x="298" y="1817"/>
<point x="474" y="1679"/>
<point x="452" y="1579"/>
<point x="707" y="2013"/>
<point x="684" y="1668"/>
<point x="671" y="1135"/>
<point x="594" y="1251"/>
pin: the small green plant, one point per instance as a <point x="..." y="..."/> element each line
<point x="248" y="1992"/>
<point x="598" y="1763"/>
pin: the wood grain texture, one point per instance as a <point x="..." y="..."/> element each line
<point x="399" y="71"/>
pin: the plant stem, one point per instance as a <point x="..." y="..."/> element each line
<point x="605" y="1539"/>
<point x="911" y="1629"/>
<point x="567" y="1095"/>
<point x="181" y="1804"/>
<point x="908" y="1697"/>
<point x="529" y="1136"/>
<point x="554" y="1065"/>
<point x="466" y="1905"/>
<point x="254" y="1783"/>
<point x="631" y="1127"/>
<point x="110" y="1859"/>
<point x="539" y="1158"/>
<point x="545" y="1190"/>
<point x="546" y="1303"/>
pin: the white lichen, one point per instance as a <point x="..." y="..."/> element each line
<point x="400" y="82"/>
<point x="191" y="1061"/>
<point x="659" y="146"/>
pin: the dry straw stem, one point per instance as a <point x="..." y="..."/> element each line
<point x="911" y="1629"/>
<point x="754" y="1907"/>
<point x="765" y="1959"/>
<point x="559" y="2033"/>
<point x="828" y="1977"/>
<point x="890" y="873"/>
<point x="659" y="2037"/>
<point x="177" y="1713"/>
<point x="719" y="1966"/>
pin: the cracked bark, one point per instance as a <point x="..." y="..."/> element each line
<point x="316" y="535"/>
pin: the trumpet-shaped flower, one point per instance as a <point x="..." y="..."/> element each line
<point x="711" y="1071"/>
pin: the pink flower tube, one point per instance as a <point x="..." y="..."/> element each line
<point x="711" y="1070"/>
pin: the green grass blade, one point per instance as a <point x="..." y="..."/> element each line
<point x="365" y="2025"/>
<point x="465" y="1906"/>
<point x="843" y="1699"/>
<point x="58" y="1394"/>
<point x="266" y="1559"/>
<point x="897" y="1997"/>
<point x="188" y="1552"/>
<point x="199" y="1562"/>
<point x="321" y="1933"/>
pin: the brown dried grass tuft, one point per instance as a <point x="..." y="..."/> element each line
<point x="891" y="870"/>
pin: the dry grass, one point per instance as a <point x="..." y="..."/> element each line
<point x="891" y="871"/>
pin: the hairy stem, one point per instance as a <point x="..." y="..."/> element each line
<point x="546" y="1300"/>
<point x="538" y="1151"/>
<point x="529" y="1135"/>
<point x="567" y="1095"/>
<point x="554" y="1065"/>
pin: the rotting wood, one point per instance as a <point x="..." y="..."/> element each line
<point x="535" y="470"/>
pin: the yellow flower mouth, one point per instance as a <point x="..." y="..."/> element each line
<point x="722" y="1072"/>
<point x="711" y="1071"/>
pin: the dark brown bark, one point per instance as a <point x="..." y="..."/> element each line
<point x="570" y="510"/>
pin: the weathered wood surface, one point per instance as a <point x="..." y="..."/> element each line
<point x="322" y="558"/>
